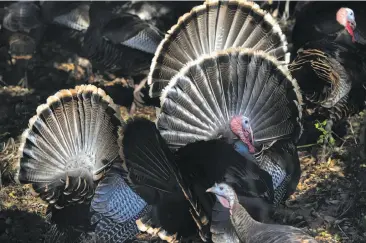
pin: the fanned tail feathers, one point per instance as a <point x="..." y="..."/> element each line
<point x="215" y="26"/>
<point x="200" y="101"/>
<point x="69" y="144"/>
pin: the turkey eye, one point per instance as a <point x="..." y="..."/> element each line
<point x="246" y="121"/>
<point x="221" y="188"/>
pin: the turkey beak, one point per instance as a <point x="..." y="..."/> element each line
<point x="212" y="189"/>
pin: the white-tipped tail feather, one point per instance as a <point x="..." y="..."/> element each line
<point x="69" y="143"/>
<point x="215" y="26"/>
<point x="201" y="100"/>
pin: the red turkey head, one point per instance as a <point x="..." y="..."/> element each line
<point x="240" y="126"/>
<point x="346" y="17"/>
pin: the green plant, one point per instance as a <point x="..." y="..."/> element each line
<point x="326" y="136"/>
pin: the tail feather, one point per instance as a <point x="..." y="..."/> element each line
<point x="215" y="26"/>
<point x="199" y="103"/>
<point x="69" y="143"/>
<point x="148" y="160"/>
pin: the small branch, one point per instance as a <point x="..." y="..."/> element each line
<point x="353" y="133"/>
<point x="306" y="145"/>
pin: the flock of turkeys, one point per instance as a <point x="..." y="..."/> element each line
<point x="233" y="96"/>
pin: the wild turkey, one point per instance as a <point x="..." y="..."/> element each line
<point x="190" y="113"/>
<point x="165" y="181"/>
<point x="249" y="230"/>
<point x="203" y="78"/>
<point x="23" y="30"/>
<point x="331" y="77"/>
<point x="335" y="21"/>
<point x="68" y="148"/>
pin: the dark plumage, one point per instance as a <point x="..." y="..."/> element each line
<point x="152" y="173"/>
<point x="318" y="20"/>
<point x="329" y="64"/>
<point x="166" y="181"/>
<point x="251" y="231"/>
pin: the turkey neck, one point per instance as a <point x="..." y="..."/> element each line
<point x="242" y="222"/>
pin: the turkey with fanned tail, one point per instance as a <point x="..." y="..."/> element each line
<point x="174" y="184"/>
<point x="215" y="26"/>
<point x="247" y="99"/>
<point x="69" y="146"/>
<point x="240" y="98"/>
<point x="251" y="231"/>
<point x="234" y="94"/>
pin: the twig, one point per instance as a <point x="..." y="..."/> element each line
<point x="345" y="211"/>
<point x="343" y="232"/>
<point x="353" y="133"/>
<point x="306" y="145"/>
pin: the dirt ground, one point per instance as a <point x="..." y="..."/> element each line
<point x="330" y="201"/>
